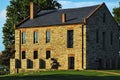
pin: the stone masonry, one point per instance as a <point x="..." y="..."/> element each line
<point x="95" y="45"/>
<point x="57" y="46"/>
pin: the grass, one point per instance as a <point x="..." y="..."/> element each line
<point x="62" y="75"/>
<point x="116" y="71"/>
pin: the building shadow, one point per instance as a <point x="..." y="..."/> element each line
<point x="60" y="77"/>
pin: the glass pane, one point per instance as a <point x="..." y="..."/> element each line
<point x="23" y="37"/>
<point x="70" y="39"/>
<point x="47" y="36"/>
<point x="35" y="37"/>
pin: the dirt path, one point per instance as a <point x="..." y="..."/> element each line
<point x="107" y="72"/>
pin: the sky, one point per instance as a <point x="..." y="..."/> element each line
<point x="65" y="4"/>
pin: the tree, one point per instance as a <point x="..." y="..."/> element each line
<point x="16" y="12"/>
<point x="116" y="12"/>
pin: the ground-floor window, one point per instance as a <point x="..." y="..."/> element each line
<point x="29" y="63"/>
<point x="42" y="64"/>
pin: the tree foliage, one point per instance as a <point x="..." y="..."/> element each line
<point x="17" y="11"/>
<point x="116" y="12"/>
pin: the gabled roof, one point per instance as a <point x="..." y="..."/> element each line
<point x="53" y="17"/>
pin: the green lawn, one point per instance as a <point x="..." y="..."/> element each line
<point x="116" y="71"/>
<point x="62" y="75"/>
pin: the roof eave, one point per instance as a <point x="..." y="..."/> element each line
<point x="23" y="21"/>
<point x="95" y="11"/>
<point x="50" y="25"/>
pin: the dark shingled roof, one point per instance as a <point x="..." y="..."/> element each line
<point x="53" y="17"/>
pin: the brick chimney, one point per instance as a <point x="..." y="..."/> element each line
<point x="33" y="10"/>
<point x="63" y="18"/>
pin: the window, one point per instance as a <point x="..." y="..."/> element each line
<point x="29" y="64"/>
<point x="47" y="36"/>
<point x="35" y="37"/>
<point x="69" y="38"/>
<point x="103" y="40"/>
<point x="119" y="43"/>
<point x="23" y="37"/>
<point x="119" y="53"/>
<point x="97" y="36"/>
<point x="35" y="54"/>
<point x="23" y="55"/>
<point x="47" y="54"/>
<point x="111" y="38"/>
<point x="104" y="18"/>
<point x="42" y="64"/>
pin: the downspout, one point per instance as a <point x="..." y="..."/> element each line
<point x="20" y="45"/>
<point x="19" y="50"/>
<point x="82" y="46"/>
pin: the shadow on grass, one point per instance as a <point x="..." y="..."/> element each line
<point x="60" y="77"/>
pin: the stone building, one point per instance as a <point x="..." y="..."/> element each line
<point x="78" y="38"/>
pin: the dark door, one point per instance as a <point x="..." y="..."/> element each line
<point x="100" y="64"/>
<point x="70" y="62"/>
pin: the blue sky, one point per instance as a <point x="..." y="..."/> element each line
<point x="65" y="4"/>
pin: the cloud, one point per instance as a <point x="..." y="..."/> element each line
<point x="3" y="15"/>
<point x="77" y="4"/>
<point x="2" y="21"/>
<point x="72" y="4"/>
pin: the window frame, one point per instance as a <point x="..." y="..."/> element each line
<point x="111" y="38"/>
<point x="23" y="55"/>
<point x="70" y="38"/>
<point x="104" y="17"/>
<point x="104" y="39"/>
<point x="35" y="40"/>
<point x="47" y="36"/>
<point x="23" y="37"/>
<point x="97" y="36"/>
<point x="35" y="55"/>
<point x="48" y="54"/>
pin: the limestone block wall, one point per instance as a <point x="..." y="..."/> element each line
<point x="24" y="64"/>
<point x="57" y="46"/>
<point x="36" y="64"/>
<point x="12" y="66"/>
<point x="48" y="64"/>
<point x="17" y="44"/>
<point x="102" y="22"/>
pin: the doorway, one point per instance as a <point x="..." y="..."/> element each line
<point x="70" y="62"/>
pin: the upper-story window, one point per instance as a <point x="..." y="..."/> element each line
<point x="111" y="38"/>
<point x="103" y="35"/>
<point x="23" y="36"/>
<point x="35" y="55"/>
<point x="69" y="38"/>
<point x="47" y="36"/>
<point x="119" y="43"/>
<point x="47" y="54"/>
<point x="104" y="17"/>
<point x="119" y="53"/>
<point x="97" y="36"/>
<point x="23" y="54"/>
<point x="35" y="37"/>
